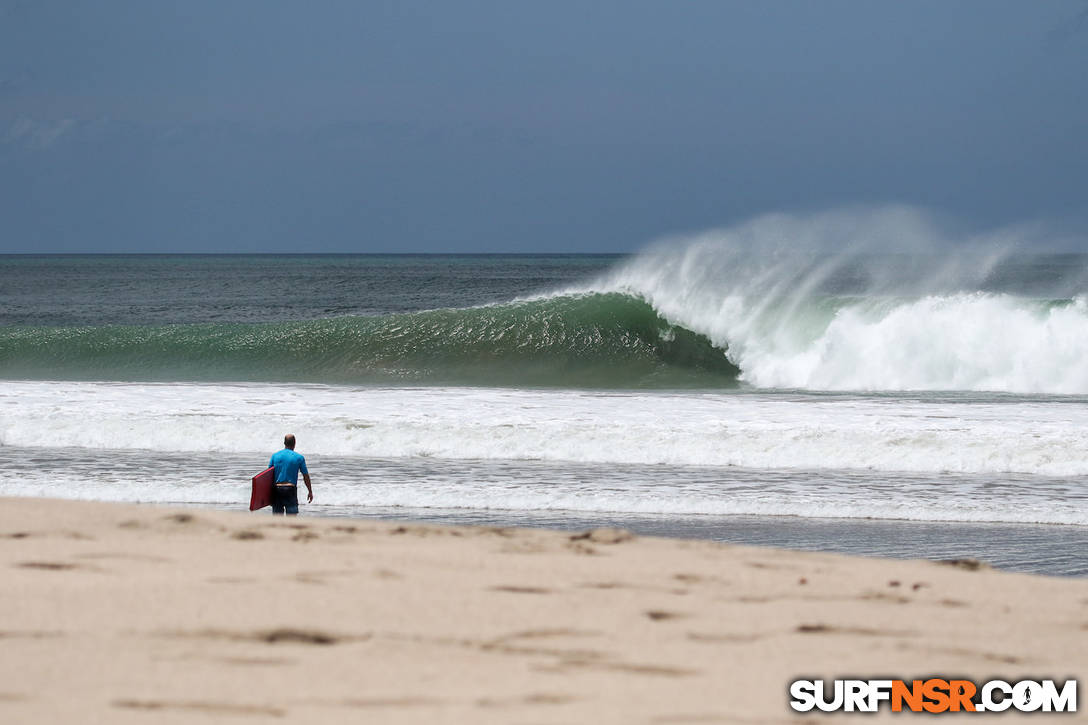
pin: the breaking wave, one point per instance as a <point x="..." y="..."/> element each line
<point x="877" y="300"/>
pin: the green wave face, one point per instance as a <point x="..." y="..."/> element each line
<point x="599" y="340"/>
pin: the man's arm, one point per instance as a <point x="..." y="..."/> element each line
<point x="309" y="488"/>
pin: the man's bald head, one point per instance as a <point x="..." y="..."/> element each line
<point x="289" y="441"/>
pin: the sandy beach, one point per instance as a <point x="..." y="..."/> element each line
<point x="124" y="613"/>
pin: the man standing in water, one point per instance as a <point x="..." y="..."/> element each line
<point x="287" y="464"/>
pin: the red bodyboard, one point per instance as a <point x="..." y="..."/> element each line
<point x="262" y="489"/>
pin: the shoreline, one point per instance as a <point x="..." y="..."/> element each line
<point x="1028" y="548"/>
<point x="113" y="611"/>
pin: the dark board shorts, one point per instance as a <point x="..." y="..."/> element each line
<point x="284" y="498"/>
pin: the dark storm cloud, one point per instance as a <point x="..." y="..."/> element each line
<point x="473" y="126"/>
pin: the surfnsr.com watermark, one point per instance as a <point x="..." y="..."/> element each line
<point x="933" y="695"/>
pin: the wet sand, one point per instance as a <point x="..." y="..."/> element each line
<point x="1051" y="549"/>
<point x="123" y="613"/>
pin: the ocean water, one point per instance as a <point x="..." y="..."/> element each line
<point x="916" y="401"/>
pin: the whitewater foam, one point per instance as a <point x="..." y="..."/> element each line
<point x="749" y="430"/>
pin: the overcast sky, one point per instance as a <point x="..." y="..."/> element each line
<point x="355" y="126"/>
